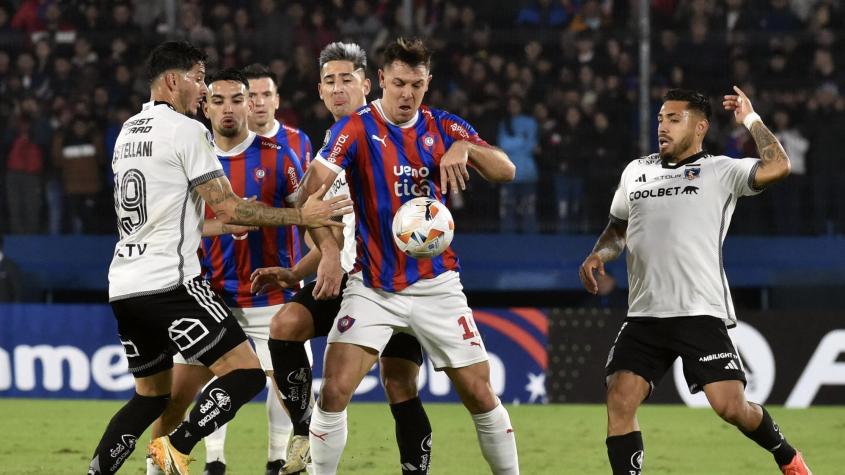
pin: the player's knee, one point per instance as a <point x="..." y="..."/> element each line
<point x="293" y="323"/>
<point x="731" y="410"/>
<point x="335" y="395"/>
<point x="479" y="396"/>
<point x="399" y="389"/>
<point x="621" y="403"/>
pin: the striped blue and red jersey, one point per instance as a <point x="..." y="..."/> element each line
<point x="386" y="165"/>
<point x="261" y="168"/>
<point x="295" y="139"/>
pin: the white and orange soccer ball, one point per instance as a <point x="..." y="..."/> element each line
<point x="423" y="228"/>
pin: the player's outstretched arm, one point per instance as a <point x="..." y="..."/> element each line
<point x="610" y="245"/>
<point x="231" y="209"/>
<point x="329" y="271"/>
<point x="774" y="163"/>
<point x="216" y="227"/>
<point x="491" y="163"/>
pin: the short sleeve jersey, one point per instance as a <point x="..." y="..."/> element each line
<point x="270" y="172"/>
<point x="160" y="157"/>
<point x="294" y="138"/>
<point x="678" y="216"/>
<point x="387" y="165"/>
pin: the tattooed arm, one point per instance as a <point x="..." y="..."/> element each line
<point x="774" y="163"/>
<point x="610" y="245"/>
<point x="231" y="209"/>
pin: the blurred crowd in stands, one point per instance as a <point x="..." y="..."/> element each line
<point x="553" y="82"/>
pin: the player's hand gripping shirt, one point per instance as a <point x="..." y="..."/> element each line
<point x="386" y="165"/>
<point x="262" y="168"/>
<point x="160" y="156"/>
<point x="678" y="217"/>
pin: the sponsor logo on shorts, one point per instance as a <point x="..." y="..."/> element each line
<point x="717" y="356"/>
<point x="130" y="348"/>
<point x="345" y="323"/>
<point x="186" y="332"/>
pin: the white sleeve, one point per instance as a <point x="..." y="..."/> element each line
<point x="620" y="207"/>
<point x="737" y="174"/>
<point x="195" y="152"/>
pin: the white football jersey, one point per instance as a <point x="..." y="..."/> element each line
<point x="677" y="217"/>
<point x="348" y="253"/>
<point x="159" y="158"/>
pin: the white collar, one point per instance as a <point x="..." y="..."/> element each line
<point x="377" y="104"/>
<point x="275" y="130"/>
<point x="237" y="149"/>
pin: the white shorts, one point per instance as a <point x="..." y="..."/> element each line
<point x="256" y="324"/>
<point x="433" y="310"/>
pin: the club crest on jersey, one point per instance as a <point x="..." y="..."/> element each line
<point x="428" y="141"/>
<point x="345" y="323"/>
<point x="691" y="173"/>
<point x="260" y="173"/>
<point x="209" y="138"/>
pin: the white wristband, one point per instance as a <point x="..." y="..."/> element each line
<point x="749" y="120"/>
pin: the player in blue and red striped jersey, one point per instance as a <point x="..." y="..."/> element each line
<point x="343" y="89"/>
<point x="264" y="92"/>
<point x="258" y="168"/>
<point x="394" y="150"/>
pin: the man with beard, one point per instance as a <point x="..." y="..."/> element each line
<point x="671" y="211"/>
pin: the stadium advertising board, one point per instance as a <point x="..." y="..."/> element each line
<point x="72" y="351"/>
<point x="790" y="358"/>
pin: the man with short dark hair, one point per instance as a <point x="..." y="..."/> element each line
<point x="264" y="92"/>
<point x="671" y="212"/>
<point x="165" y="171"/>
<point x="269" y="172"/>
<point x="393" y="150"/>
<point x="343" y="88"/>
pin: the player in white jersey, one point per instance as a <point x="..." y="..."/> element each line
<point x="672" y="211"/>
<point x="228" y="257"/>
<point x="165" y="170"/>
<point x="343" y="88"/>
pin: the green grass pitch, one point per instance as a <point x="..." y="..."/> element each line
<point x="56" y="437"/>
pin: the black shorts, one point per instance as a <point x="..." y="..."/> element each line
<point x="190" y="319"/>
<point x="323" y="312"/>
<point x="649" y="346"/>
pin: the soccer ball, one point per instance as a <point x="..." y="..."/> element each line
<point x="423" y="228"/>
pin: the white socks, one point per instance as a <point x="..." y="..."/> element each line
<point x="152" y="468"/>
<point x="279" y="426"/>
<point x="497" y="441"/>
<point x="214" y="443"/>
<point x="328" y="438"/>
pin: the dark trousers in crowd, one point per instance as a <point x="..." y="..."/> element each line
<point x="24" y="197"/>
<point x="518" y="207"/>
